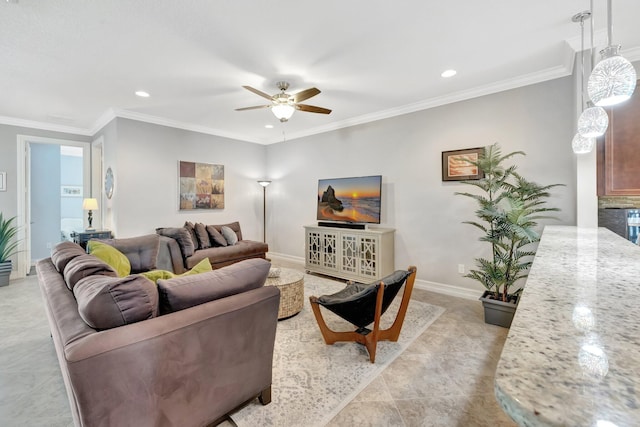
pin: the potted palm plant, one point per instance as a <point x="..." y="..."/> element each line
<point x="509" y="207"/>
<point x="8" y="246"/>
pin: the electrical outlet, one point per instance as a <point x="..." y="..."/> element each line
<point x="461" y="268"/>
<point x="48" y="245"/>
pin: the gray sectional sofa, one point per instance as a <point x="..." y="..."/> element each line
<point x="182" y="353"/>
<point x="190" y="244"/>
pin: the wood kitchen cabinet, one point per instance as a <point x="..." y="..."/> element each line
<point x="619" y="151"/>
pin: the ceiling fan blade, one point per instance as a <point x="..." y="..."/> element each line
<point x="255" y="107"/>
<point x="258" y="92"/>
<point x="312" y="109"/>
<point x="305" y="94"/>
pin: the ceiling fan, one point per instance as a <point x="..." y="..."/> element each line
<point x="283" y="104"/>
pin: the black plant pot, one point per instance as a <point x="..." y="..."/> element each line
<point x="5" y="272"/>
<point x="497" y="312"/>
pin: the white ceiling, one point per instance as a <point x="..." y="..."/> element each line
<point x="72" y="65"/>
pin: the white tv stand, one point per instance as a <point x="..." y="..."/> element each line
<point x="359" y="255"/>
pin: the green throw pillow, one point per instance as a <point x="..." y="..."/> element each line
<point x="155" y="275"/>
<point x="201" y="267"/>
<point x="111" y="256"/>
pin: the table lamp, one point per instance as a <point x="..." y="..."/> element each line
<point x="90" y="205"/>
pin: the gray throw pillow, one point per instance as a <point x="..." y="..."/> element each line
<point x="182" y="236"/>
<point x="192" y="231"/>
<point x="108" y="302"/>
<point x="202" y="235"/>
<point x="217" y="239"/>
<point x="187" y="291"/>
<point x="229" y="235"/>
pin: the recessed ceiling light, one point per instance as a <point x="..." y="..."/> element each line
<point x="142" y="94"/>
<point x="269" y="126"/>
<point x="448" y="73"/>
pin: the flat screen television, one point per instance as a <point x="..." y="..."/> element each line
<point x="351" y="200"/>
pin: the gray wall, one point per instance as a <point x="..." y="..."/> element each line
<point x="144" y="158"/>
<point x="406" y="150"/>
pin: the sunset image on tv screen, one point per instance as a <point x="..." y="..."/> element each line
<point x="350" y="199"/>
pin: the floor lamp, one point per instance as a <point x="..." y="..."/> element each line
<point x="264" y="184"/>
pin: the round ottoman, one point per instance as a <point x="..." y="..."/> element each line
<point x="291" y="285"/>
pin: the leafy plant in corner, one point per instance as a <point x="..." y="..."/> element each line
<point x="509" y="207"/>
<point x="8" y="232"/>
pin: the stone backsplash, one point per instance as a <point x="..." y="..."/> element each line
<point x="619" y="202"/>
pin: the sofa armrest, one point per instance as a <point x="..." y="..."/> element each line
<point x="196" y="364"/>
<point x="170" y="256"/>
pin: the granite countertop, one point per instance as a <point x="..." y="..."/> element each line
<point x="572" y="356"/>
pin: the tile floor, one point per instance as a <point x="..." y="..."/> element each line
<point x="445" y="378"/>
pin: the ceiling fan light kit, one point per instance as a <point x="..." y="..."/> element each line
<point x="283" y="105"/>
<point x="283" y="112"/>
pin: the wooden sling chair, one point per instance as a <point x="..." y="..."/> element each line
<point x="363" y="304"/>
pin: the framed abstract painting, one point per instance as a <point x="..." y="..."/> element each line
<point x="201" y="186"/>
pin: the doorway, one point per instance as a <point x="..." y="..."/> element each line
<point x="54" y="176"/>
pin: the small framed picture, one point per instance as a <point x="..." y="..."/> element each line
<point x="3" y="181"/>
<point x="456" y="164"/>
<point x="71" y="191"/>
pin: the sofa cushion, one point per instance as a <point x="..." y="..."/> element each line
<point x="108" y="302"/>
<point x="229" y="235"/>
<point x="141" y="251"/>
<point x="110" y="255"/>
<point x="203" y="237"/>
<point x="192" y="231"/>
<point x="217" y="239"/>
<point x="182" y="236"/>
<point x="241" y="250"/>
<point x="64" y="252"/>
<point x="85" y="265"/>
<point x="155" y="275"/>
<point x="184" y="292"/>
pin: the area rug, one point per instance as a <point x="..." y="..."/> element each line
<point x="313" y="381"/>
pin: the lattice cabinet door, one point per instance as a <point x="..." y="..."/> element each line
<point x="368" y="256"/>
<point x="359" y="255"/>
<point x="349" y="253"/>
<point x="330" y="250"/>
<point x="314" y="248"/>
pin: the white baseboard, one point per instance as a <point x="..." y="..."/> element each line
<point x="274" y="256"/>
<point x="454" y="291"/>
<point x="441" y="288"/>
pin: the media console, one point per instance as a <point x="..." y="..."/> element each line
<point x="362" y="255"/>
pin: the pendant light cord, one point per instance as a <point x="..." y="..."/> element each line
<point x="609" y="23"/>
<point x="582" y="63"/>
<point x="593" y="47"/>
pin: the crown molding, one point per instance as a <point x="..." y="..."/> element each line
<point x="103" y="120"/>
<point x="12" y="121"/>
<point x="126" y="114"/>
<point x="520" y="81"/>
<point x="632" y="54"/>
